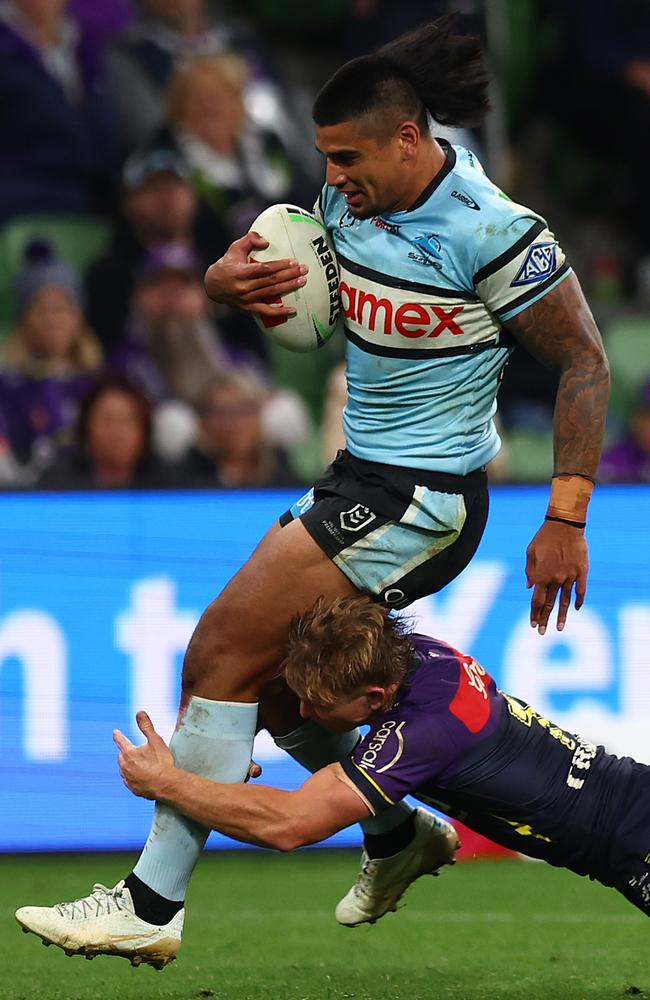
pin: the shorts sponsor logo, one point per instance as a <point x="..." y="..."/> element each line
<point x="539" y="263"/>
<point x="377" y="743"/>
<point x="409" y="319"/>
<point x="465" y="200"/>
<point x="394" y="595"/>
<point x="356" y="518"/>
<point x="326" y="261"/>
<point x="333" y="530"/>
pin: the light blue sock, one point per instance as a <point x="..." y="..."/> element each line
<point x="214" y="739"/>
<point x="315" y="747"/>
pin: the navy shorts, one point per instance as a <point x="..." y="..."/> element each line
<point x="628" y="864"/>
<point x="397" y="534"/>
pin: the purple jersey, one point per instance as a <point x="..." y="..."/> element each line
<point x="42" y="410"/>
<point x="452" y="739"/>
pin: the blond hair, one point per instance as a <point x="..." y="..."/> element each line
<point x="84" y="356"/>
<point x="244" y="381"/>
<point x="226" y="67"/>
<point x="339" y="645"/>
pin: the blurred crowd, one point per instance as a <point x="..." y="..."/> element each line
<point x="140" y="137"/>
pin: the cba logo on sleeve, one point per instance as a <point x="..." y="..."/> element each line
<point x="539" y="263"/>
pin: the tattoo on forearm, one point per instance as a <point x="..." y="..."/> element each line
<point x="560" y="331"/>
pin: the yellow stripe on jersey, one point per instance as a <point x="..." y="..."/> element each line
<point x="374" y="784"/>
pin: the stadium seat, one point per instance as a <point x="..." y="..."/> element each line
<point x="78" y="239"/>
<point x="627" y="342"/>
<point x="529" y="455"/>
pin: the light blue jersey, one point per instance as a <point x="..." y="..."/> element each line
<point x="424" y="294"/>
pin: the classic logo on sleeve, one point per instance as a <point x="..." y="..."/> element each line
<point x="539" y="263"/>
<point x="388" y="739"/>
<point x="465" y="200"/>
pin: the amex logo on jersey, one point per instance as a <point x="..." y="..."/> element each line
<point x="538" y="264"/>
<point x="405" y="318"/>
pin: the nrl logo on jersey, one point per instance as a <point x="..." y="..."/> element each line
<point x="539" y="263"/>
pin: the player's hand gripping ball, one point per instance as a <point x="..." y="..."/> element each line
<point x="296" y="234"/>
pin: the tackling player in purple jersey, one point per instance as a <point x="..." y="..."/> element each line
<point x="440" y="730"/>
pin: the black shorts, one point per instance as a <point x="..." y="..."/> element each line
<point x="628" y="865"/>
<point x="397" y="534"/>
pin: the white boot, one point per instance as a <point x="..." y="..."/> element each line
<point x="104" y="923"/>
<point x="381" y="883"/>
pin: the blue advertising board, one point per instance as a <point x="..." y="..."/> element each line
<point x="99" y="595"/>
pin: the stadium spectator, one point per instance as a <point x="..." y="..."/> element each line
<point x="238" y="167"/>
<point x="113" y="448"/>
<point x="49" y="361"/>
<point x="173" y="347"/>
<point x="605" y="77"/>
<point x="372" y="23"/>
<point x="232" y="449"/>
<point x="165" y="35"/>
<point x="58" y="142"/>
<point x="157" y="205"/>
<point x="102" y="20"/>
<point x="628" y="460"/>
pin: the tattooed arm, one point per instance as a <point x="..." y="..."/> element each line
<point x="559" y="331"/>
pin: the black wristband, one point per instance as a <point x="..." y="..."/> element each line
<point x="564" y="520"/>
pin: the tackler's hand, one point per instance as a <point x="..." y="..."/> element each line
<point x="146" y="769"/>
<point x="254" y="771"/>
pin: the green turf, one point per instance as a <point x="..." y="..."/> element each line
<point x="260" y="927"/>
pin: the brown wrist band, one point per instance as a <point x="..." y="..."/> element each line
<point x="570" y="496"/>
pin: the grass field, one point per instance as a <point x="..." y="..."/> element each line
<point x="260" y="927"/>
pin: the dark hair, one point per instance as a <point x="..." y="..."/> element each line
<point x="114" y="383"/>
<point x="431" y="67"/>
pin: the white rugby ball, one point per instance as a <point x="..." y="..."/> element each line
<point x="294" y="233"/>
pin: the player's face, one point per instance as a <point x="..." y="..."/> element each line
<point x="368" y="171"/>
<point x="350" y="711"/>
